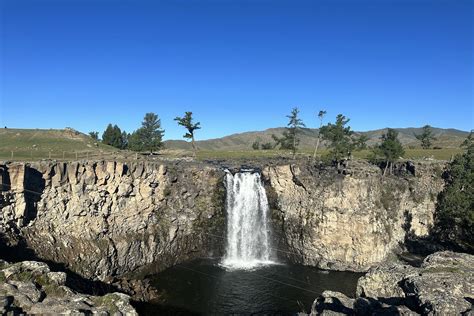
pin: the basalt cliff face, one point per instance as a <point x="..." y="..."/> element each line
<point x="108" y="218"/>
<point x="350" y="220"/>
<point x="105" y="219"/>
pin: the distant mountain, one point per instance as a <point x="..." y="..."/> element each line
<point x="446" y="138"/>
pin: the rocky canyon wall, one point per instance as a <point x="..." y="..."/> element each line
<point x="354" y="220"/>
<point x="111" y="218"/>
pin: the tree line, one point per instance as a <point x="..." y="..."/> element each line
<point x="147" y="138"/>
<point x="342" y="141"/>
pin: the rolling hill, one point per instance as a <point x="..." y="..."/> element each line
<point x="41" y="143"/>
<point x="446" y="138"/>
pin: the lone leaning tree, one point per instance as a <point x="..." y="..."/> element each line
<point x="320" y="116"/>
<point x="187" y="122"/>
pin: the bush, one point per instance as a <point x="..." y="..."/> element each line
<point x="454" y="220"/>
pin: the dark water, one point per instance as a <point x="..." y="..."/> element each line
<point x="203" y="287"/>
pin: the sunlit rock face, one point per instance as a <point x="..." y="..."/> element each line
<point x="110" y="218"/>
<point x="349" y="221"/>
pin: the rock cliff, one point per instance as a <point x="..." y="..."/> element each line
<point x="105" y="219"/>
<point x="349" y="221"/>
<point x="111" y="218"/>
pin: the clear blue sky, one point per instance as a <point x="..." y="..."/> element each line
<point x="238" y="65"/>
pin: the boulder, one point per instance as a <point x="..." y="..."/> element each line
<point x="30" y="287"/>
<point x="332" y="303"/>
<point x="443" y="285"/>
<point x="383" y="280"/>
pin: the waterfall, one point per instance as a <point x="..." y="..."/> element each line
<point x="248" y="244"/>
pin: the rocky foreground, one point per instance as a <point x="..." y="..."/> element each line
<point x="30" y="287"/>
<point x="443" y="285"/>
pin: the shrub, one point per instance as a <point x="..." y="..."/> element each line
<point x="454" y="219"/>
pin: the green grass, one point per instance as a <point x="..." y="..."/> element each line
<point x="419" y="153"/>
<point x="33" y="144"/>
<point x="53" y="139"/>
<point x="438" y="154"/>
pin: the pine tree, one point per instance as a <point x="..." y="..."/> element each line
<point x="426" y="137"/>
<point x="294" y="125"/>
<point x="124" y="140"/>
<point x="454" y="217"/>
<point x="390" y="149"/>
<point x="94" y="135"/>
<point x="285" y="141"/>
<point x="107" y="136"/>
<point x="256" y="145"/>
<point x="360" y="142"/>
<point x="149" y="136"/>
<point x="187" y="122"/>
<point x="339" y="137"/>
<point x="113" y="136"/>
<point x="117" y="137"/>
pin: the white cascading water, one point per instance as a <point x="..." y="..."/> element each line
<point x="248" y="244"/>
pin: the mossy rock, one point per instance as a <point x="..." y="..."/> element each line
<point x="54" y="290"/>
<point x="107" y="301"/>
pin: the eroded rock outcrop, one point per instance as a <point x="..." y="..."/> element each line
<point x="350" y="220"/>
<point x="443" y="285"/>
<point x="30" y="287"/>
<point x="111" y="218"/>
